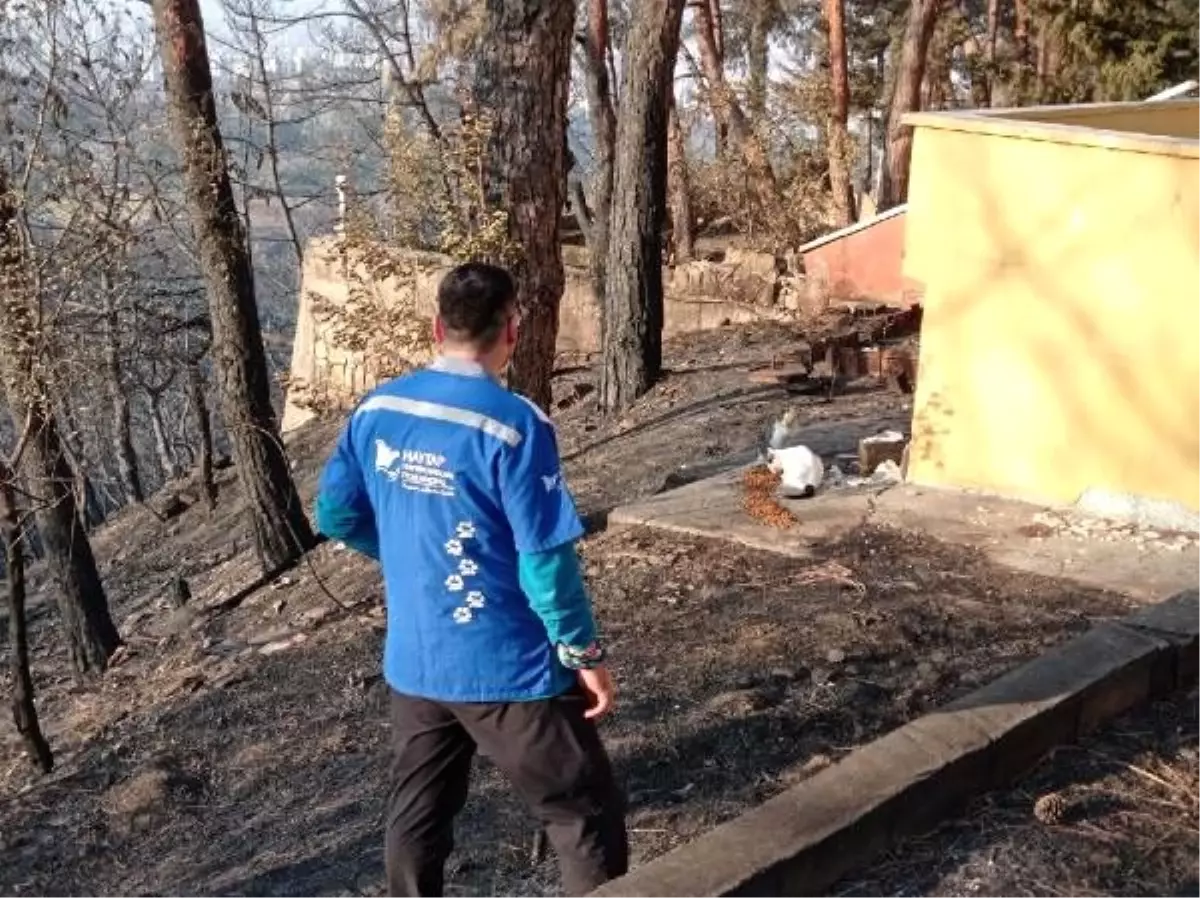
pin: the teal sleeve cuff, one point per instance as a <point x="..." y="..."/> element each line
<point x="553" y="584"/>
<point x="347" y="525"/>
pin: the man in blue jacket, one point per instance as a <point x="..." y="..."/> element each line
<point x="454" y="484"/>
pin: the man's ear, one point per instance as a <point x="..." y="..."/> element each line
<point x="510" y="330"/>
<point x="439" y="330"/>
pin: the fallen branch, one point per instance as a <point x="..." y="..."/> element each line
<point x="830" y="572"/>
<point x="238" y="598"/>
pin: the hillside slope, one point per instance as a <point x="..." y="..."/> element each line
<point x="243" y="751"/>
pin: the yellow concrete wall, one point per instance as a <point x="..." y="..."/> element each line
<point x="1169" y="118"/>
<point x="1060" y="347"/>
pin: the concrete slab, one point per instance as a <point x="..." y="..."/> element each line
<point x="1002" y="528"/>
<point x="1148" y="569"/>
<point x="713" y="507"/>
<point x="802" y="841"/>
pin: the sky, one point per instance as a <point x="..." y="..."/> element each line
<point x="284" y="43"/>
<point x="214" y="18"/>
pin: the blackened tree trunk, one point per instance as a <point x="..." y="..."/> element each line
<point x="603" y="120"/>
<point x="683" y="224"/>
<point x="50" y="483"/>
<point x="910" y="73"/>
<point x="24" y="711"/>
<point x="195" y="387"/>
<point x="87" y="499"/>
<point x="158" y="427"/>
<point x="521" y="80"/>
<point x="634" y="300"/>
<point x="836" y="134"/>
<point x="91" y="636"/>
<point x="127" y="464"/>
<point x="71" y="444"/>
<point x="281" y="529"/>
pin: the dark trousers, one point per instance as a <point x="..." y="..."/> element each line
<point x="550" y="753"/>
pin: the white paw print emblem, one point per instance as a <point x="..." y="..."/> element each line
<point x="475" y="599"/>
<point x="454" y="547"/>
<point x="465" y="530"/>
<point x="468" y="568"/>
<point x="454" y="583"/>
<point x="462" y="615"/>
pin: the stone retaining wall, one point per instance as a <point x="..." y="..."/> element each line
<point x="700" y="295"/>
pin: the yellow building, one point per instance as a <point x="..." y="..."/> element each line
<point x="1060" y="346"/>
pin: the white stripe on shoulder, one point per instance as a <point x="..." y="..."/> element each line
<point x="537" y="409"/>
<point x="435" y="411"/>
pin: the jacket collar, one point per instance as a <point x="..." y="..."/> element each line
<point x="463" y="367"/>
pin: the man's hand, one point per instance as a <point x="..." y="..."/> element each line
<point x="601" y="693"/>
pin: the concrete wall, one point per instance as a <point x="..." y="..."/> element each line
<point x="864" y="262"/>
<point x="1060" y="346"/>
<point x="1167" y="118"/>
<point x="699" y="296"/>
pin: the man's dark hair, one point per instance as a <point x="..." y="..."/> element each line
<point x="474" y="302"/>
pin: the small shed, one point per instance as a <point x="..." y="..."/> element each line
<point x="864" y="261"/>
<point x="1060" y="344"/>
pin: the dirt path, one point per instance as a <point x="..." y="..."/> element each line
<point x="244" y="752"/>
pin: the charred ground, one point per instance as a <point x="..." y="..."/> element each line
<point x="244" y="751"/>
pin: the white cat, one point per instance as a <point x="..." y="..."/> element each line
<point x="801" y="471"/>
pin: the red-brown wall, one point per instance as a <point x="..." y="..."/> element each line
<point x="865" y="264"/>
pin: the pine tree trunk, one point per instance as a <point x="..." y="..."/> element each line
<point x="162" y="444"/>
<point x="1021" y="60"/>
<point x="281" y="529"/>
<point x="716" y="28"/>
<point x="757" y="59"/>
<point x="683" y="223"/>
<point x="885" y="66"/>
<point x="71" y="444"/>
<point x="127" y="465"/>
<point x="91" y="636"/>
<point x="933" y="95"/>
<point x="726" y="109"/>
<point x="603" y="120"/>
<point x="24" y="711"/>
<point x="728" y="113"/>
<point x="910" y="74"/>
<point x="87" y="501"/>
<point x="634" y="303"/>
<point x="837" y="136"/>
<point x="1045" y="61"/>
<point x="989" y="48"/>
<point x="195" y="387"/>
<point x="521" y="80"/>
<point x="976" y="71"/>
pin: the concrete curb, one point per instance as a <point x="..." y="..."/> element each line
<point x="804" y="840"/>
